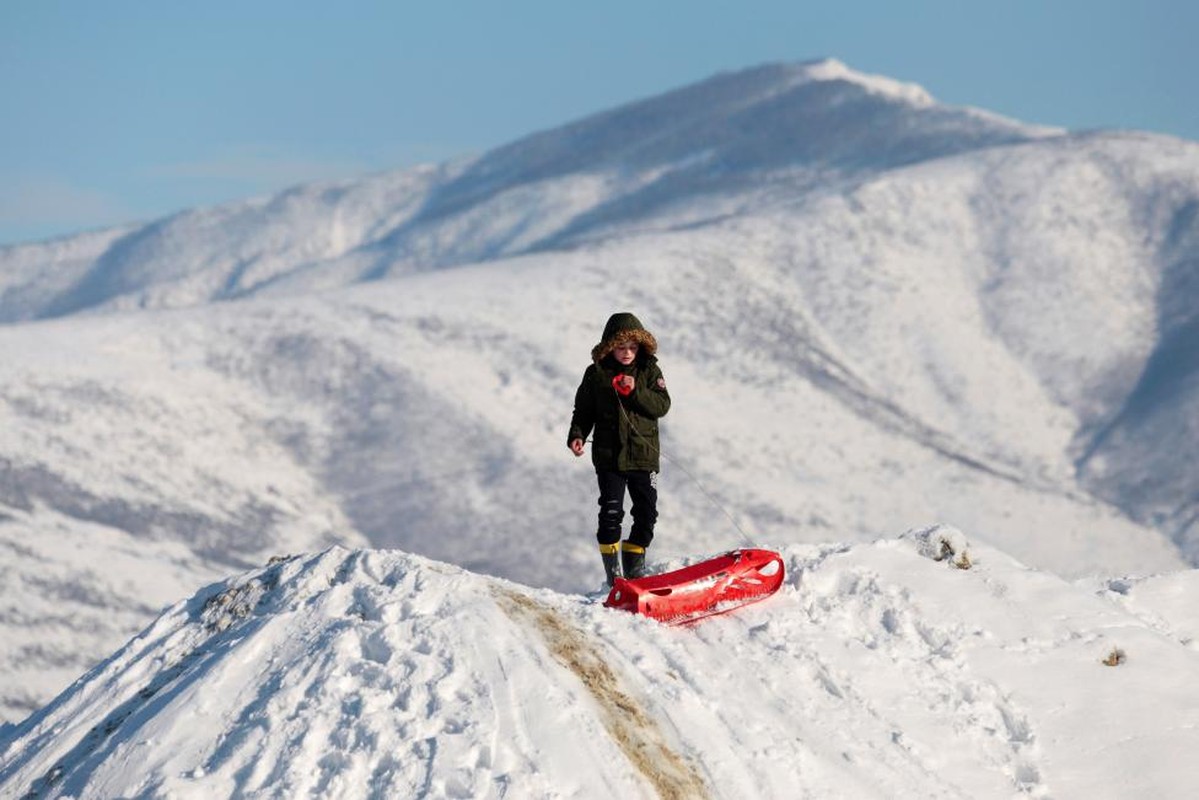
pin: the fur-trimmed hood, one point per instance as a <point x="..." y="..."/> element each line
<point x="624" y="326"/>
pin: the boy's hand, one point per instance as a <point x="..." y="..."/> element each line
<point x="576" y="446"/>
<point x="624" y="384"/>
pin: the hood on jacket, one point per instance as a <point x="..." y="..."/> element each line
<point x="624" y="326"/>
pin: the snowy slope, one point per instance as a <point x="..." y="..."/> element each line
<point x="875" y="311"/>
<point x="875" y="672"/>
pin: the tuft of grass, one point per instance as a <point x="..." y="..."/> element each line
<point x="947" y="554"/>
<point x="1116" y="657"/>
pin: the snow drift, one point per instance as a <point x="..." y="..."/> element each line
<point x="913" y="667"/>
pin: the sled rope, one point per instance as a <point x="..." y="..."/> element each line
<point x="703" y="489"/>
<point x="711" y="499"/>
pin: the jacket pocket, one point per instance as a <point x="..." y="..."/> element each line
<point x="643" y="442"/>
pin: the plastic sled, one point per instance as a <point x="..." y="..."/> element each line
<point x="715" y="586"/>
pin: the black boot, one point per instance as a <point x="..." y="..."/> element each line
<point x="632" y="558"/>
<point x="611" y="562"/>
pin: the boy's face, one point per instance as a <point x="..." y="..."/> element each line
<point x="625" y="352"/>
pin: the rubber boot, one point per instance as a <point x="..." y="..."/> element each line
<point x="608" y="552"/>
<point x="632" y="559"/>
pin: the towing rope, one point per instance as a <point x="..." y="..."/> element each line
<point x="703" y="489"/>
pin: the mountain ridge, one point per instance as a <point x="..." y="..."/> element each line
<point x="649" y="144"/>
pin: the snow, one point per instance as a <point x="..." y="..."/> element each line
<point x="830" y="69"/>
<point x="877" y="671"/>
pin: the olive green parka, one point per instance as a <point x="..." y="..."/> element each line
<point x="625" y="428"/>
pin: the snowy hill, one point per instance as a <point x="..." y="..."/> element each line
<point x="875" y="672"/>
<point x="876" y="312"/>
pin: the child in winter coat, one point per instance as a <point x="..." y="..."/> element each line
<point x="620" y="399"/>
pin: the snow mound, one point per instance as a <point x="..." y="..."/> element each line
<point x="882" y="674"/>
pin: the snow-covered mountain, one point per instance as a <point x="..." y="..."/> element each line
<point x="875" y="312"/>
<point x="694" y="155"/>
<point x="875" y="672"/>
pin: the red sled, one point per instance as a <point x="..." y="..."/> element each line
<point x="715" y="586"/>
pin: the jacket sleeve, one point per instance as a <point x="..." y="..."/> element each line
<point x="650" y="398"/>
<point x="583" y="418"/>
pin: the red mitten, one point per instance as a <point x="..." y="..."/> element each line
<point x="621" y="389"/>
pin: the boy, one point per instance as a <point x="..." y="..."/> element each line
<point x="621" y="397"/>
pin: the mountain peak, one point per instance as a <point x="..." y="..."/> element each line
<point x="731" y="135"/>
<point x="819" y="114"/>
<point x="832" y="69"/>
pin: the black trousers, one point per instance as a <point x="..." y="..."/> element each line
<point x="643" y="491"/>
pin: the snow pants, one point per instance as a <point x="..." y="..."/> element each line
<point x="643" y="491"/>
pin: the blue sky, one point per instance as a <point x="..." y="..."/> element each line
<point x="122" y="111"/>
